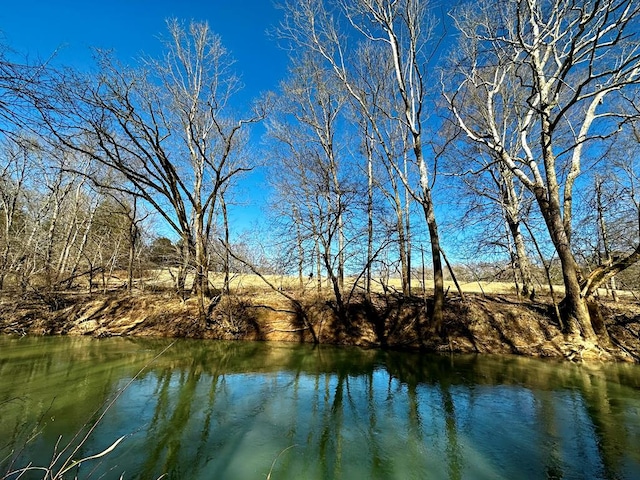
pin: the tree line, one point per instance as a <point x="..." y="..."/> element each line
<point x="504" y="132"/>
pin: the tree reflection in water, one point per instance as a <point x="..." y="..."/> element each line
<point x="243" y="410"/>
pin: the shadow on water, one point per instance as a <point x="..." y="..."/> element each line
<point x="244" y="410"/>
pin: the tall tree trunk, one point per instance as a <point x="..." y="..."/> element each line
<point x="82" y="246"/>
<point x="514" y="260"/>
<point x="318" y="266"/>
<point x="201" y="281"/>
<point x="4" y="258"/>
<point x="608" y="261"/>
<point x="407" y="216"/>
<point x="340" y="228"/>
<point x="132" y="259"/>
<point x="511" y="209"/>
<point x="402" y="243"/>
<point x="183" y="269"/>
<point x="574" y="309"/>
<point x="576" y="317"/>
<point x="50" y="242"/>
<point x="63" y="260"/>
<point x="522" y="259"/>
<point x="369" y="218"/>
<point x="437" y="315"/>
<point x="134" y="234"/>
<point x="341" y="253"/>
<point x="299" y="247"/>
<point x="227" y="258"/>
<point x="335" y="284"/>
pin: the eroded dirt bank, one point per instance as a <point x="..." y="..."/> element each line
<point x="485" y="324"/>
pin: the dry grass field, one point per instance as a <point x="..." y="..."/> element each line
<point x="242" y="283"/>
<point x="251" y="284"/>
<point x="247" y="283"/>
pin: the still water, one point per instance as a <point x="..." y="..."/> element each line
<point x="224" y="410"/>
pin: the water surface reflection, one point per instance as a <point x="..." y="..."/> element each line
<point x="241" y="410"/>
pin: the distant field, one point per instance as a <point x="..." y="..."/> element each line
<point x="247" y="283"/>
<point x="242" y="282"/>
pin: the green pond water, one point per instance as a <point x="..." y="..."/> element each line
<point x="224" y="410"/>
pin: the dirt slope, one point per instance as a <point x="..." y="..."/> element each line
<point x="498" y="324"/>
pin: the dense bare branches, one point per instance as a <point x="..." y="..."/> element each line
<point x="540" y="84"/>
<point x="398" y="32"/>
<point x="167" y="128"/>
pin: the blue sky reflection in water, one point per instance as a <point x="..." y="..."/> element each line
<point x="228" y="410"/>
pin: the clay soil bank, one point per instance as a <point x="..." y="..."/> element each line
<point x="496" y="324"/>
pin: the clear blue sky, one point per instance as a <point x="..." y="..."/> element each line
<point x="39" y="27"/>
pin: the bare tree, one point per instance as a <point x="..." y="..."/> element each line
<point x="400" y="29"/>
<point x="617" y="218"/>
<point x="311" y="110"/>
<point x="17" y="80"/>
<point x="539" y="83"/>
<point x="493" y="198"/>
<point x="13" y="177"/>
<point x="386" y="146"/>
<point x="117" y="232"/>
<point x="167" y="128"/>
